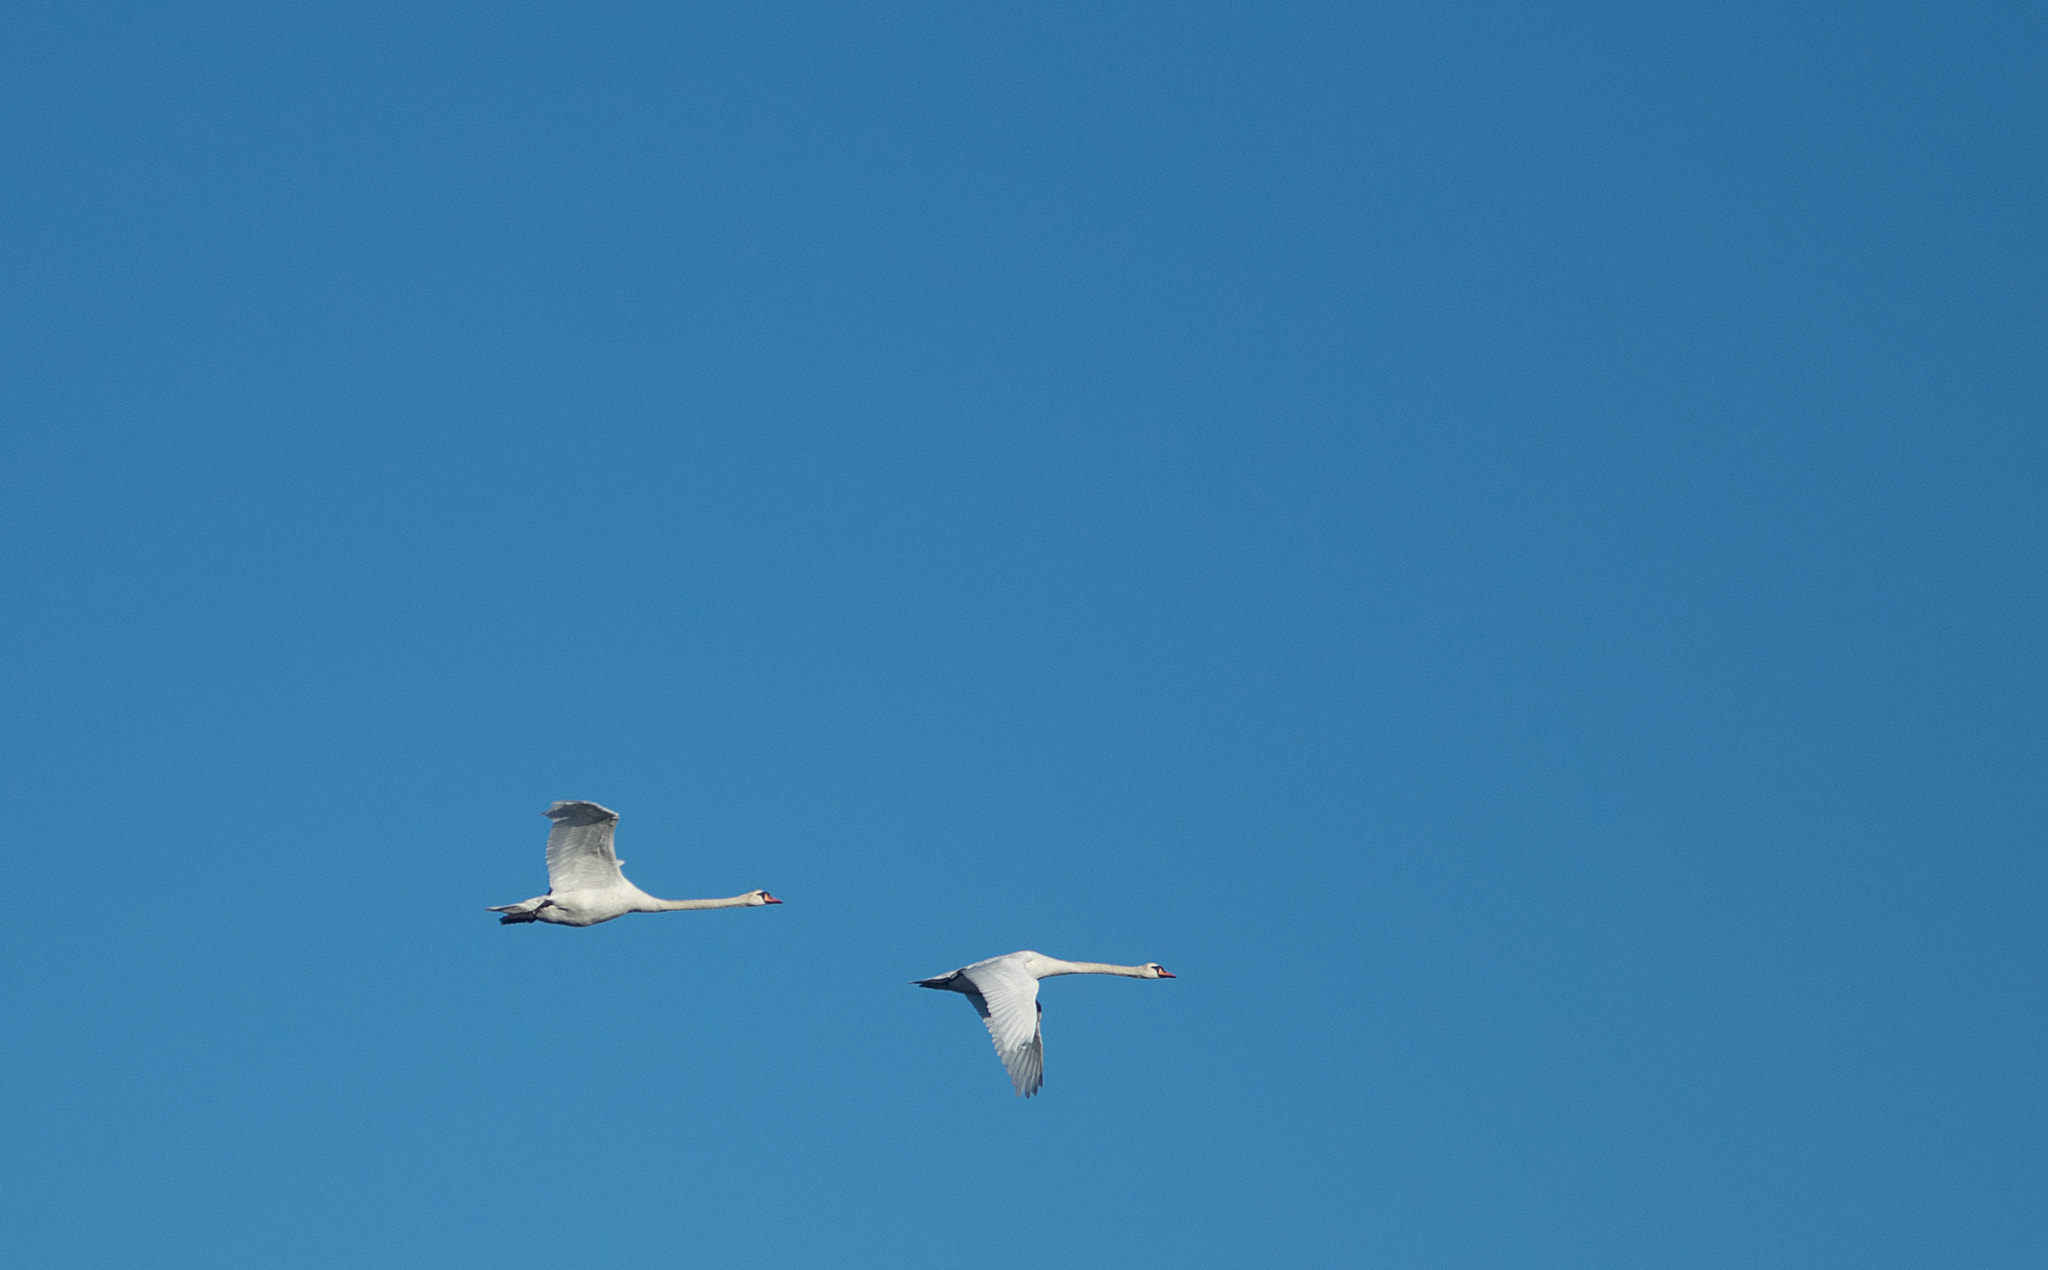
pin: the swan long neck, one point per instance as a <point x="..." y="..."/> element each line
<point x="1050" y="966"/>
<point x="678" y="906"/>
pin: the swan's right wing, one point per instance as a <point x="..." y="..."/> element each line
<point x="580" y="856"/>
<point x="1007" y="1000"/>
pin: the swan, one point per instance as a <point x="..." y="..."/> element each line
<point x="1004" y="991"/>
<point x="585" y="886"/>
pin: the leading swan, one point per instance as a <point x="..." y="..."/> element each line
<point x="1004" y="991"/>
<point x="585" y="886"/>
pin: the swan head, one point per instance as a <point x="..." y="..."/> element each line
<point x="1153" y="970"/>
<point x="756" y="899"/>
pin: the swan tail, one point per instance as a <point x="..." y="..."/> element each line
<point x="946" y="981"/>
<point x="524" y="911"/>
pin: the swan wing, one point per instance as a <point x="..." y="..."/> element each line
<point x="580" y="856"/>
<point x="1007" y="1000"/>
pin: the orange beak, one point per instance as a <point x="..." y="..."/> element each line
<point x="769" y="899"/>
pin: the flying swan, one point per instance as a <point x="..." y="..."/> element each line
<point x="1004" y="991"/>
<point x="585" y="886"/>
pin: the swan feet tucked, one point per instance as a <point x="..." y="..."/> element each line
<point x="517" y="913"/>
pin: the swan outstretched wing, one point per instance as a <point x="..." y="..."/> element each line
<point x="580" y="856"/>
<point x="1007" y="1000"/>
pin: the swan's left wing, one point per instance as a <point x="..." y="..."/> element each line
<point x="1007" y="1000"/>
<point x="580" y="856"/>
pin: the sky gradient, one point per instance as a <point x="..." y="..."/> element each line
<point x="1504" y="546"/>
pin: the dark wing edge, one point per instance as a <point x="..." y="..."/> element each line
<point x="575" y="814"/>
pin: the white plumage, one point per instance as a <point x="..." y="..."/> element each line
<point x="1004" y="991"/>
<point x="585" y="884"/>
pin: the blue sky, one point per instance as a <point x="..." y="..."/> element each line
<point x="1503" y="544"/>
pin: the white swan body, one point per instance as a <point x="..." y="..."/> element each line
<point x="585" y="885"/>
<point x="1004" y="992"/>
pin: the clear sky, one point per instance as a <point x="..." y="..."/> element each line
<point x="1502" y="543"/>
